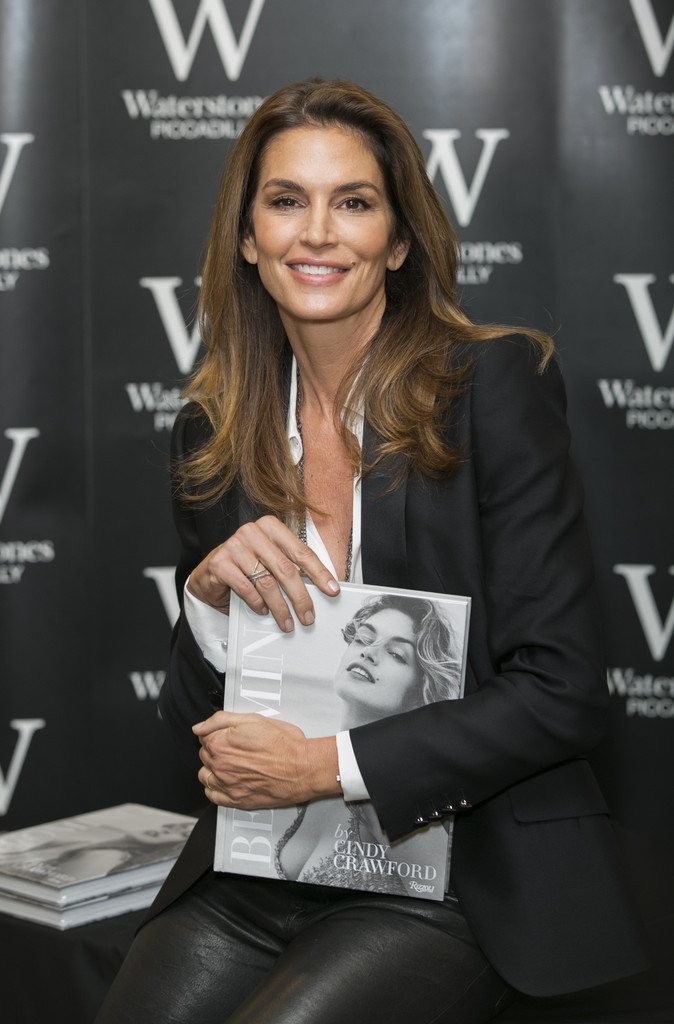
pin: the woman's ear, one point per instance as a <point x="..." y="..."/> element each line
<point x="248" y="249"/>
<point x="398" y="254"/>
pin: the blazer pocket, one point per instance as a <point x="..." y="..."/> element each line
<point x="568" y="790"/>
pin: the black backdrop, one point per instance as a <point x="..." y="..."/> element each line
<point x="548" y="129"/>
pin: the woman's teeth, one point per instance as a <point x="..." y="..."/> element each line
<point x="310" y="268"/>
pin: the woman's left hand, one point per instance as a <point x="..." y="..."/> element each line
<point x="253" y="762"/>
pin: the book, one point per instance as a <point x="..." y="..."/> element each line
<point x="371" y="652"/>
<point x="97" y="854"/>
<point x="78" y="913"/>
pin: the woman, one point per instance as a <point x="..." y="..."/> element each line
<point x="400" y="655"/>
<point x="409" y="652"/>
<point x="421" y="452"/>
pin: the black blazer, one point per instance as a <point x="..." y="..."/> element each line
<point x="534" y="862"/>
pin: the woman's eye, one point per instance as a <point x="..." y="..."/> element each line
<point x="398" y="655"/>
<point x="284" y="202"/>
<point x="355" y="203"/>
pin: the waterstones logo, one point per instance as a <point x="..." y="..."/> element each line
<point x="645" y="406"/>
<point x="646" y="695"/>
<point x="147" y="684"/>
<point x="163" y="402"/>
<point x="13" y="261"/>
<point x="478" y="258"/>
<point x="15" y="555"/>
<point x="183" y="117"/>
<point x="647" y="112"/>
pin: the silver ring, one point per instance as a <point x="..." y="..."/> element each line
<point x="208" y="778"/>
<point x="257" y="574"/>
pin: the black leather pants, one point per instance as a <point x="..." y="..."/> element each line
<point x="253" y="951"/>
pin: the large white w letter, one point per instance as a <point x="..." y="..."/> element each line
<point x="657" y="633"/>
<point x="185" y="346"/>
<point x="659" y="51"/>
<point x="19" y="436"/>
<point x="164" y="576"/>
<point x="25" y="728"/>
<point x="15" y="141"/>
<point x="657" y="343"/>
<point x="443" y="157"/>
<point x="181" y="53"/>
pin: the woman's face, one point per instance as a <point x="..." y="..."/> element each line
<point x="321" y="229"/>
<point x="379" y="671"/>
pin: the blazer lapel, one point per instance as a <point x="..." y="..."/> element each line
<point x="383" y="534"/>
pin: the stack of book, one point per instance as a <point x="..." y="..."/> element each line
<point x="90" y="866"/>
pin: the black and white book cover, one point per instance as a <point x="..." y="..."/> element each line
<point x="371" y="652"/>
<point x="100" y="853"/>
<point x="75" y="914"/>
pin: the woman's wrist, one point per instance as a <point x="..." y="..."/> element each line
<point x="323" y="766"/>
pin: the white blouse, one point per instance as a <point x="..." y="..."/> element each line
<point x="209" y="625"/>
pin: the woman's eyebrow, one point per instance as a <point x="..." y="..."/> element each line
<point x="348" y="186"/>
<point x="357" y="186"/>
<point x="403" y="640"/>
<point x="292" y="186"/>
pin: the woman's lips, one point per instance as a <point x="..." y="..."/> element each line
<point x="359" y="670"/>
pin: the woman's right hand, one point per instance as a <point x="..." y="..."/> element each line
<point x="263" y="545"/>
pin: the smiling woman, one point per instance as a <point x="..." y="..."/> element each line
<point x="349" y="422"/>
<point x="321" y="233"/>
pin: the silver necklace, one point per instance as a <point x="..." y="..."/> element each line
<point x="300" y="467"/>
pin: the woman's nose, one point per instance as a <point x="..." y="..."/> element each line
<point x="371" y="653"/>
<point x="318" y="227"/>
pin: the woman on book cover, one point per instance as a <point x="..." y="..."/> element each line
<point x="400" y="654"/>
<point x="73" y="858"/>
<point x="350" y="422"/>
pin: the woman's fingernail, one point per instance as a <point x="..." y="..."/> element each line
<point x="333" y="587"/>
<point x="308" y="618"/>
<point x="288" y="625"/>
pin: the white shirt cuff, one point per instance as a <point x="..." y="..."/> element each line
<point x="352" y="781"/>
<point x="209" y="627"/>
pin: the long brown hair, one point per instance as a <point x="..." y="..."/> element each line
<point x="411" y="370"/>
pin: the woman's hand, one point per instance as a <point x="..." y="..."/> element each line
<point x="270" y="550"/>
<point x="253" y="762"/>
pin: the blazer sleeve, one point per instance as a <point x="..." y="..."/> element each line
<point x="540" y="695"/>
<point x="192" y="689"/>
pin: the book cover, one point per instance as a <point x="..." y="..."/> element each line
<point x="78" y="913"/>
<point x="95" y="854"/>
<point x="372" y="652"/>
